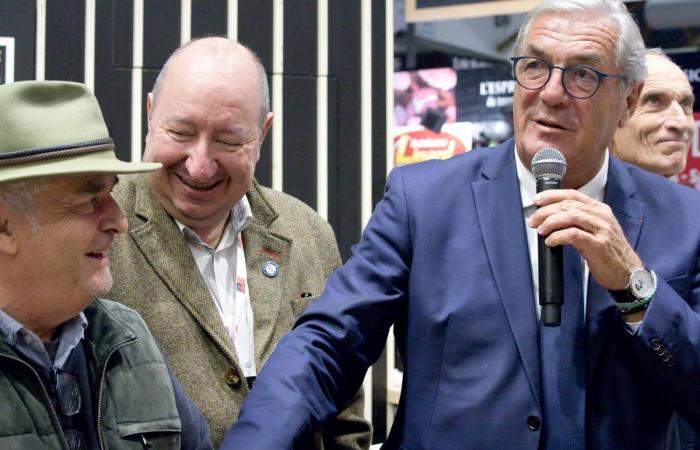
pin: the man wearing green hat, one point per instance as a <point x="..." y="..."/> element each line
<point x="76" y="371"/>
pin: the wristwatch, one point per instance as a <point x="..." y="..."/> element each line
<point x="638" y="292"/>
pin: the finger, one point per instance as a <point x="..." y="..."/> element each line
<point x="541" y="214"/>
<point x="558" y="195"/>
<point x="580" y="218"/>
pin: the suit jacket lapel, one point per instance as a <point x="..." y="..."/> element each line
<point x="267" y="293"/>
<point x="165" y="249"/>
<point x="500" y="216"/>
<point x="629" y="212"/>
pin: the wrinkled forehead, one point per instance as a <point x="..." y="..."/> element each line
<point x="587" y="38"/>
<point x="662" y="71"/>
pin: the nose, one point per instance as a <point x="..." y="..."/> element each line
<point x="200" y="164"/>
<point x="677" y="118"/>
<point x="553" y="92"/>
<point x="113" y="220"/>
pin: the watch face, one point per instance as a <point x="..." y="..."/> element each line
<point x="642" y="283"/>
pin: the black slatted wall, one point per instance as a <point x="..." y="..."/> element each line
<point x="64" y="58"/>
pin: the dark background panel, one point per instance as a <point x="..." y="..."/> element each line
<point x="18" y="20"/>
<point x="65" y="40"/>
<point x="209" y="18"/>
<point x="300" y="37"/>
<point x="113" y="56"/>
<point x="435" y="3"/>
<point x="263" y="170"/>
<point x="299" y="138"/>
<point x="379" y="135"/>
<point x="121" y="18"/>
<point x="344" y="48"/>
<point x="333" y="172"/>
<point x="255" y="31"/>
<point x="379" y="106"/>
<point x="255" y="28"/>
<point x="161" y="31"/>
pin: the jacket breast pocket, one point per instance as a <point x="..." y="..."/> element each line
<point x="153" y="436"/>
<point x="299" y="304"/>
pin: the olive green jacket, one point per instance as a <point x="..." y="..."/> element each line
<point x="128" y="371"/>
<point x="155" y="273"/>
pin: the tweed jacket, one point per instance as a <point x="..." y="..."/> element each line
<point x="155" y="273"/>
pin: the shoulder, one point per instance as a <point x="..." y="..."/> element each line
<point x="104" y="309"/>
<point x="469" y="165"/>
<point x="653" y="188"/>
<point x="288" y="212"/>
<point x="440" y="178"/>
<point x="128" y="189"/>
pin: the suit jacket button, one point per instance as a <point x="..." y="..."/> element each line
<point x="533" y="423"/>
<point x="232" y="379"/>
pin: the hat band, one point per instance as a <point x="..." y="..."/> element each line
<point x="39" y="154"/>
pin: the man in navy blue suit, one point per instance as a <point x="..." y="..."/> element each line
<point x="450" y="259"/>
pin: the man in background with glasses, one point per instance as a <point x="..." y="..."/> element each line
<point x="450" y="259"/>
<point x="76" y="372"/>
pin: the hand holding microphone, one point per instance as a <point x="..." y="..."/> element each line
<point x="549" y="166"/>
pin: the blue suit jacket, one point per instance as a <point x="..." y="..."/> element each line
<point x="444" y="259"/>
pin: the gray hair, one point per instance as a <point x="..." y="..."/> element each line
<point x="21" y="196"/>
<point x="629" y="52"/>
<point x="226" y="49"/>
<point x="657" y="52"/>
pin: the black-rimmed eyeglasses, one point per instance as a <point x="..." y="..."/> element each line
<point x="579" y="81"/>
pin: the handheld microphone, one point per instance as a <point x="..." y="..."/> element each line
<point x="549" y="166"/>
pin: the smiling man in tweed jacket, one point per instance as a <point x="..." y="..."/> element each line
<point x="218" y="266"/>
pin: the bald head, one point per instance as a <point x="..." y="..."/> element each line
<point x="659" y="132"/>
<point x="221" y="55"/>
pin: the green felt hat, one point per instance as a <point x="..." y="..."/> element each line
<point x="50" y="128"/>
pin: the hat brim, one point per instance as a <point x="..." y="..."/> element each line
<point x="96" y="162"/>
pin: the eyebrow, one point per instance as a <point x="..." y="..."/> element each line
<point x="97" y="185"/>
<point x="235" y="130"/>
<point x="663" y="93"/>
<point x="177" y="119"/>
<point x="587" y="59"/>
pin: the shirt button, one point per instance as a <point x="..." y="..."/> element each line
<point x="533" y="423"/>
<point x="232" y="379"/>
<point x="28" y="339"/>
<point x="248" y="364"/>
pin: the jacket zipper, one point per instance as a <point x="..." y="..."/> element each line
<point x="100" y="390"/>
<point x="52" y="410"/>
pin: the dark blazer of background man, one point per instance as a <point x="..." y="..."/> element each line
<point x="445" y="259"/>
<point x="657" y="137"/>
<point x="208" y="114"/>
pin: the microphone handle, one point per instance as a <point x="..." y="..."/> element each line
<point x="550" y="263"/>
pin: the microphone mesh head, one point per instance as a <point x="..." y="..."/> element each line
<point x="548" y="162"/>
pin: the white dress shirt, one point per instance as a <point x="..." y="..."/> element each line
<point x="224" y="272"/>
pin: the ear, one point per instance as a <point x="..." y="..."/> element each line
<point x="630" y="103"/>
<point x="8" y="237"/>
<point x="263" y="133"/>
<point x="149" y="109"/>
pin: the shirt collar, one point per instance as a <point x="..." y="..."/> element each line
<point x="27" y="343"/>
<point x="241" y="216"/>
<point x="528" y="185"/>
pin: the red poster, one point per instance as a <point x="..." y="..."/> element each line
<point x="691" y="175"/>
